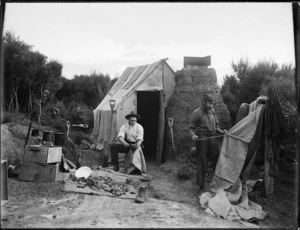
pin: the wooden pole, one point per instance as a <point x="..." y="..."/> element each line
<point x="268" y="147"/>
<point x="296" y="17"/>
<point x="161" y="128"/>
<point x="266" y="162"/>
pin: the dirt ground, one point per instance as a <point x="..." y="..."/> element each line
<point x="171" y="202"/>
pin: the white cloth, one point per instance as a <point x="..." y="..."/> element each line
<point x="132" y="133"/>
<point x="137" y="159"/>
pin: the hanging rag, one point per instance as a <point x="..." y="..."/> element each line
<point x="274" y="130"/>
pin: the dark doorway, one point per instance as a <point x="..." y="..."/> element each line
<point x="148" y="108"/>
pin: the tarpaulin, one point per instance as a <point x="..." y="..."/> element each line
<point x="228" y="195"/>
<point x="235" y="147"/>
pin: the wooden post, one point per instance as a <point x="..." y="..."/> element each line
<point x="268" y="145"/>
<point x="296" y="17"/>
<point x="161" y="128"/>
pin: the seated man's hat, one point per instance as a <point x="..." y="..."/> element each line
<point x="132" y="114"/>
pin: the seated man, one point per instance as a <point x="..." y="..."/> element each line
<point x="131" y="136"/>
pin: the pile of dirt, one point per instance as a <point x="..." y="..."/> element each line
<point x="184" y="172"/>
<point x="191" y="84"/>
<point x="166" y="185"/>
<point x="12" y="142"/>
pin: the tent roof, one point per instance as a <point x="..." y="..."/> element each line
<point x="130" y="79"/>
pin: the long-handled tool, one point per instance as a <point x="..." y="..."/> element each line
<point x="112" y="104"/>
<point x="85" y="126"/>
<point x="170" y="123"/>
<point x="28" y="132"/>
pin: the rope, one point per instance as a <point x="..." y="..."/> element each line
<point x="210" y="137"/>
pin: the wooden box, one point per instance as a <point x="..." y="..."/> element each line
<point x="42" y="154"/>
<point x="39" y="172"/>
<point x="91" y="157"/>
<point x="4" y="185"/>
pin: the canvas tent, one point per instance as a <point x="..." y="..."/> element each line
<point x="143" y="89"/>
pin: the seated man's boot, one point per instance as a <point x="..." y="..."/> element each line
<point x="105" y="162"/>
<point x="116" y="167"/>
<point x="141" y="196"/>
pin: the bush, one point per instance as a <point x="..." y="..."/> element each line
<point x="78" y="137"/>
<point x="81" y="114"/>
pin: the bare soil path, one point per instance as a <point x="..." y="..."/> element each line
<point x="36" y="205"/>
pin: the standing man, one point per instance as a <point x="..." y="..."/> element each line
<point x="131" y="136"/>
<point x="204" y="125"/>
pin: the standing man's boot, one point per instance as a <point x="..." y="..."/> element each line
<point x="141" y="196"/>
<point x="116" y="167"/>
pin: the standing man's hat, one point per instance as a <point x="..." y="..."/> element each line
<point x="132" y="114"/>
<point x="208" y="98"/>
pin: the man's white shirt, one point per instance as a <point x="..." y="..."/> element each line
<point x="131" y="133"/>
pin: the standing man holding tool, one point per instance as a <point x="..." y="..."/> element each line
<point x="202" y="129"/>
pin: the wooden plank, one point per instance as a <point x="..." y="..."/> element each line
<point x="38" y="173"/>
<point x="144" y="177"/>
<point x="161" y="128"/>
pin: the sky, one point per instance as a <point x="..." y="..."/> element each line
<point x="108" y="37"/>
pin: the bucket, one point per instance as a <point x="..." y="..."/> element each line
<point x="35" y="132"/>
<point x="4" y="188"/>
<point x="48" y="136"/>
<point x="59" y="139"/>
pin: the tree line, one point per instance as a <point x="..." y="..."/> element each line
<point x="249" y="81"/>
<point x="27" y="73"/>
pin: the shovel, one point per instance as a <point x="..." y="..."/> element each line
<point x="85" y="126"/>
<point x="170" y="123"/>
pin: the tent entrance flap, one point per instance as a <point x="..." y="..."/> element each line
<point x="148" y="104"/>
